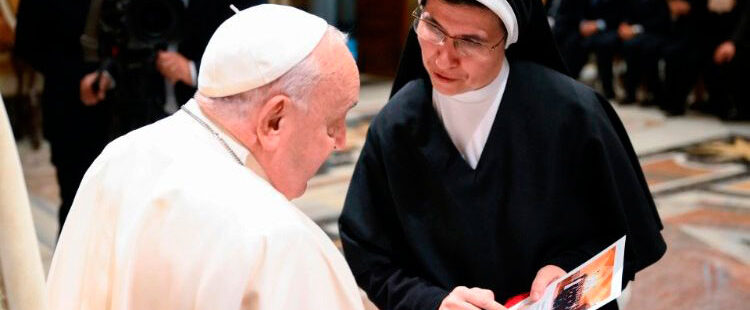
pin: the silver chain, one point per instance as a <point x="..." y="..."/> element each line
<point x="216" y="134"/>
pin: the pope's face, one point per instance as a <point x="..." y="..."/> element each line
<point x="320" y="127"/>
<point x="450" y="72"/>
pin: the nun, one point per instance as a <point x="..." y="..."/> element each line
<point x="490" y="172"/>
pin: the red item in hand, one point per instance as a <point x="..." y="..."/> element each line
<point x="515" y="299"/>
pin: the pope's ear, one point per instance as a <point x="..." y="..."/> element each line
<point x="271" y="120"/>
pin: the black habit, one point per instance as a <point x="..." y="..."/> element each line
<point x="557" y="182"/>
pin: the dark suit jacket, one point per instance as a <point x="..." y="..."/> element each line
<point x="47" y="38"/>
<point x="572" y="12"/>
<point x="48" y="33"/>
<point x="734" y="25"/>
<point x="653" y="15"/>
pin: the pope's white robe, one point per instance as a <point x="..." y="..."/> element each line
<point x="165" y="218"/>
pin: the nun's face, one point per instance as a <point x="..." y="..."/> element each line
<point x="452" y="73"/>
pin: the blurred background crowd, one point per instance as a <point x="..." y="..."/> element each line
<point x="671" y="53"/>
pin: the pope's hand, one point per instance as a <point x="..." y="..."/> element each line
<point x="174" y="67"/>
<point x="464" y="298"/>
<point x="544" y="277"/>
<point x="90" y="97"/>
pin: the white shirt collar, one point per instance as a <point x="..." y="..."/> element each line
<point x="484" y="94"/>
<point x="468" y="117"/>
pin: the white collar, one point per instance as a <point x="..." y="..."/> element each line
<point x="468" y="117"/>
<point x="240" y="150"/>
<point x="236" y="146"/>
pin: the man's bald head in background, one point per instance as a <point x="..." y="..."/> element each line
<point x="280" y="81"/>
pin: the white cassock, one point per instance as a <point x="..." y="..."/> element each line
<point x="165" y="218"/>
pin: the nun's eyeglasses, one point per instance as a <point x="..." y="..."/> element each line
<point x="431" y="32"/>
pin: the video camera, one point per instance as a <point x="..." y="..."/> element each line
<point x="134" y="30"/>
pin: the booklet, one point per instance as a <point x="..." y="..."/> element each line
<point x="588" y="287"/>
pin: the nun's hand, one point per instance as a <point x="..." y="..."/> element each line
<point x="725" y="52"/>
<point x="544" y="277"/>
<point x="174" y="67"/>
<point x="465" y="298"/>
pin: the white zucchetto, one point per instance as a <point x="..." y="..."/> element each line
<point x="255" y="47"/>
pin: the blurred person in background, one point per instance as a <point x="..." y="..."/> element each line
<point x="47" y="37"/>
<point x="583" y="27"/>
<point x="728" y="32"/>
<point x="148" y="55"/>
<point x="77" y="120"/>
<point x="684" y="53"/>
<point x="643" y="33"/>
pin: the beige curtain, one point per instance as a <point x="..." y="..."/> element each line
<point x="20" y="262"/>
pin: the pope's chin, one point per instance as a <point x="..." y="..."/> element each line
<point x="290" y="190"/>
<point x="299" y="191"/>
<point x="293" y="191"/>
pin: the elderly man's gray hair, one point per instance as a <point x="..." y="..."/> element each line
<point x="297" y="83"/>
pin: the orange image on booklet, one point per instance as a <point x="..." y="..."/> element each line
<point x="588" y="287"/>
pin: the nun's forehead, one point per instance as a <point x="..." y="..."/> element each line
<point x="464" y="2"/>
<point x="501" y="8"/>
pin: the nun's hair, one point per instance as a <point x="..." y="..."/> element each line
<point x="297" y="83"/>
